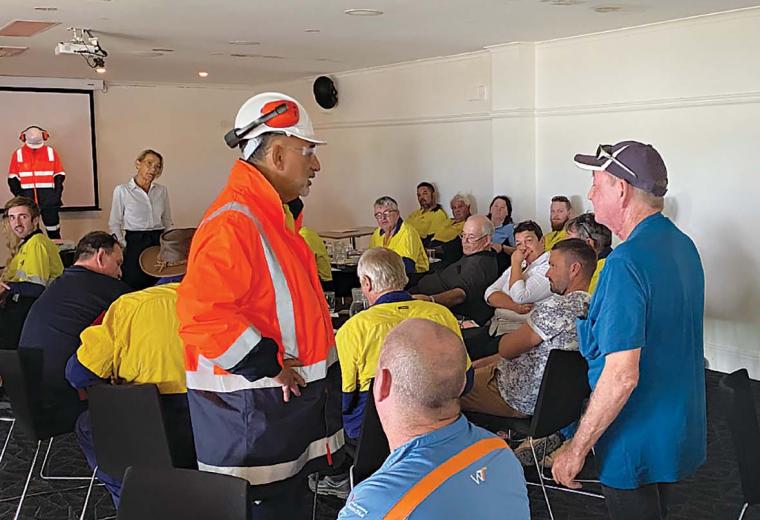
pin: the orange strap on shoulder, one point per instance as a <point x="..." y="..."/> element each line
<point x="433" y="480"/>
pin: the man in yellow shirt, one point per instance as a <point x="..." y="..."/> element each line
<point x="35" y="263"/>
<point x="597" y="235"/>
<point x="138" y="342"/>
<point x="398" y="236"/>
<point x="561" y="211"/>
<point x="430" y="218"/>
<point x="317" y="245"/>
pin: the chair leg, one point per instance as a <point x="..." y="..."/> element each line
<point x="539" y="469"/>
<point x="744" y="510"/>
<point x="8" y="437"/>
<point x="314" y="504"/>
<point x="44" y="463"/>
<point x="28" y="479"/>
<point x="351" y="477"/>
<point x="89" y="491"/>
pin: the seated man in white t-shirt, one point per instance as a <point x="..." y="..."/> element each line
<point x="524" y="283"/>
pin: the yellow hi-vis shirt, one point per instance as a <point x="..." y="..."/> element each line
<point x="138" y="341"/>
<point x="450" y="232"/>
<point x="317" y="245"/>
<point x="37" y="261"/>
<point x="429" y="222"/>
<point x="406" y="242"/>
<point x="360" y="339"/>
<point x="553" y="237"/>
<point x="595" y="277"/>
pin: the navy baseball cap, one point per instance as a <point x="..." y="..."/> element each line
<point x="637" y="163"/>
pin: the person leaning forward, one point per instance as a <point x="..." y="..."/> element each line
<point x="262" y="373"/>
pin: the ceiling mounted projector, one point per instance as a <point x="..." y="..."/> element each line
<point x="84" y="44"/>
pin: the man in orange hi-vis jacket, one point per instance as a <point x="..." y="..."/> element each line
<point x="262" y="374"/>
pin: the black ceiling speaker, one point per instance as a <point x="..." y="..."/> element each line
<point x="325" y="92"/>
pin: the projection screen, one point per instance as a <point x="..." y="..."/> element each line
<point x="68" y="115"/>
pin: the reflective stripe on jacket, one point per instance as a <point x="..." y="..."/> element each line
<point x="38" y="261"/>
<point x="251" y="283"/>
<point x="35" y="169"/>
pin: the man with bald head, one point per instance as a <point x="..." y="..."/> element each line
<point x="441" y="465"/>
<point x="461" y="286"/>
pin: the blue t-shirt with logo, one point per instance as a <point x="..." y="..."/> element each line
<point x="491" y="487"/>
<point x="651" y="297"/>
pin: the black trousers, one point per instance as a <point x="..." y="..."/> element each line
<point x="293" y="502"/>
<point x="479" y="343"/>
<point x="644" y="503"/>
<point x="12" y="318"/>
<point x="52" y="221"/>
<point x="137" y="242"/>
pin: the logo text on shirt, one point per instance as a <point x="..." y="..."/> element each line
<point x="479" y="476"/>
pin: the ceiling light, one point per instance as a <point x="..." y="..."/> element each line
<point x="312" y="30"/>
<point x="100" y="70"/>
<point x="363" y="12"/>
<point x="159" y="49"/>
<point x="45" y="8"/>
<point x="203" y="74"/>
<point x="243" y="42"/>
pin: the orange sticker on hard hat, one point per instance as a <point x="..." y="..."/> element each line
<point x="288" y="118"/>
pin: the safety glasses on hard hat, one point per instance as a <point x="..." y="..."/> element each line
<point x="602" y="153"/>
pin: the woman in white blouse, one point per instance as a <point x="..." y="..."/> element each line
<point x="139" y="214"/>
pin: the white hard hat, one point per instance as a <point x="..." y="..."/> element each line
<point x="271" y="112"/>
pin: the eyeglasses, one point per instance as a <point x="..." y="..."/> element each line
<point x="470" y="239"/>
<point x="602" y="153"/>
<point x="385" y="214"/>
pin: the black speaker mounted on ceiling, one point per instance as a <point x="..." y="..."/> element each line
<point x="325" y="93"/>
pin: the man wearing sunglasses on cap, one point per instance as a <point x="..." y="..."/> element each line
<point x="643" y="342"/>
<point x="262" y="374"/>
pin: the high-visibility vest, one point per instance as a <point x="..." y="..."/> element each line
<point x="35" y="168"/>
<point x="250" y="276"/>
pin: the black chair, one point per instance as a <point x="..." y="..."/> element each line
<point x="372" y="449"/>
<point x="158" y="494"/>
<point x="563" y="392"/>
<point x="127" y="430"/>
<point x="739" y="408"/>
<point x="21" y="371"/>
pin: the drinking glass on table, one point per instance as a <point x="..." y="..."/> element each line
<point x="358" y="302"/>
<point x="330" y="297"/>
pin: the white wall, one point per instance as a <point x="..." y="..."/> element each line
<point x="692" y="89"/>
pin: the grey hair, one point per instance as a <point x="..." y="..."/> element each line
<point x="652" y="201"/>
<point x="260" y="150"/>
<point x="487" y="226"/>
<point x="587" y="228"/>
<point x="386" y="201"/>
<point x="464" y="198"/>
<point x="384" y="268"/>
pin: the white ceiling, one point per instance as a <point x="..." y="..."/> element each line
<point x="199" y="31"/>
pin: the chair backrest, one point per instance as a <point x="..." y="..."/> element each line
<point x="21" y="371"/>
<point x="128" y="428"/>
<point x="372" y="449"/>
<point x="739" y="408"/>
<point x="158" y="494"/>
<point x="564" y="388"/>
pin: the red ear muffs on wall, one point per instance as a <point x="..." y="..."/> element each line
<point x="22" y="135"/>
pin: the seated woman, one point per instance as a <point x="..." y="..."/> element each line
<point x="503" y="242"/>
<point x="393" y="233"/>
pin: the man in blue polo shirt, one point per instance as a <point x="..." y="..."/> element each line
<point x="441" y="465"/>
<point x="76" y="299"/>
<point x="643" y="342"/>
